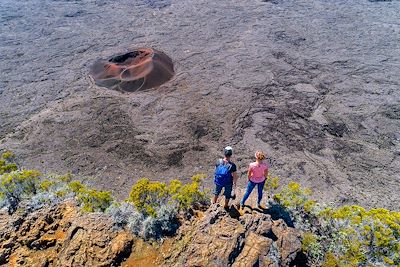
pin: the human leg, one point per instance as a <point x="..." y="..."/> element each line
<point x="215" y="198"/>
<point x="260" y="188"/>
<point x="249" y="189"/>
<point x="217" y="191"/>
<point x="226" y="204"/>
<point x="227" y="194"/>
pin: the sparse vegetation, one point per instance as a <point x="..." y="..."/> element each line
<point x="157" y="205"/>
<point x="92" y="200"/>
<point x="17" y="185"/>
<point x="346" y="236"/>
<point x="6" y="164"/>
<point x="272" y="183"/>
<point x="151" y="211"/>
<point x="147" y="195"/>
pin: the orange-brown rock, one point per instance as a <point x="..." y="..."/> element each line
<point x="221" y="238"/>
<point x="139" y="69"/>
<point x="61" y="236"/>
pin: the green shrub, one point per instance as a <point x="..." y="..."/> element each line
<point x="45" y="185"/>
<point x="66" y="178"/>
<point x="6" y="164"/>
<point x="188" y="195"/>
<point x="92" y="200"/>
<point x="147" y="196"/>
<point x="272" y="183"/>
<point x="8" y="155"/>
<point x="16" y="185"/>
<point x="330" y="260"/>
<point x="311" y="245"/>
<point x="293" y="196"/>
<point x="348" y="235"/>
<point x="76" y="187"/>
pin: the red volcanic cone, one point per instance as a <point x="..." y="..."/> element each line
<point x="139" y="69"/>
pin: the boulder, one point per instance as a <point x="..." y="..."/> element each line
<point x="62" y="236"/>
<point x="218" y="239"/>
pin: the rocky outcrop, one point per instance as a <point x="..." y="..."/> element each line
<point x="224" y="238"/>
<point x="61" y="235"/>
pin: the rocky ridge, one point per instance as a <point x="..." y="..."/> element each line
<point x="61" y="235"/>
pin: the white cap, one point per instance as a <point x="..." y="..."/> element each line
<point x="228" y="151"/>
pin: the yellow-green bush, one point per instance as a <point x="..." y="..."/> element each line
<point x="91" y="199"/>
<point x="271" y="183"/>
<point x="293" y="196"/>
<point x="18" y="182"/>
<point x="148" y="195"/>
<point x="7" y="155"/>
<point x="353" y="235"/>
<point x="6" y="165"/>
<point x="16" y="185"/>
<point x="311" y="245"/>
<point x="189" y="195"/>
<point x="76" y="186"/>
<point x="66" y="178"/>
<point x="330" y="260"/>
<point x="45" y="185"/>
<point x="374" y="232"/>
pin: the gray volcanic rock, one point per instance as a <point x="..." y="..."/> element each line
<point x="313" y="83"/>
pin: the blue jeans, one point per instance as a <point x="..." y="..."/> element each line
<point x="249" y="189"/>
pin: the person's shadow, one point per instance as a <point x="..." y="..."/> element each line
<point x="276" y="211"/>
<point x="233" y="212"/>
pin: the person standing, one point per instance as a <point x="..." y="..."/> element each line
<point x="225" y="176"/>
<point x="257" y="174"/>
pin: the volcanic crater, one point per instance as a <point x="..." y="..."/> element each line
<point x="135" y="70"/>
<point x="314" y="84"/>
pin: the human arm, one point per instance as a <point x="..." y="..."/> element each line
<point x="235" y="177"/>
<point x="266" y="173"/>
<point x="249" y="172"/>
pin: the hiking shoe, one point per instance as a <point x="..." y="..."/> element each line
<point x="241" y="211"/>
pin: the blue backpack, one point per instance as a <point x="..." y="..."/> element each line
<point x="222" y="173"/>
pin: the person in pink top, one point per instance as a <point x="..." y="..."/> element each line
<point x="257" y="174"/>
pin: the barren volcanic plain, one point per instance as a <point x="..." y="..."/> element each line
<point x="316" y="84"/>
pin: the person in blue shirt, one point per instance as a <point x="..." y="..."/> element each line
<point x="225" y="176"/>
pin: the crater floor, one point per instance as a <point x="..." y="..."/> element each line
<point x="313" y="83"/>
